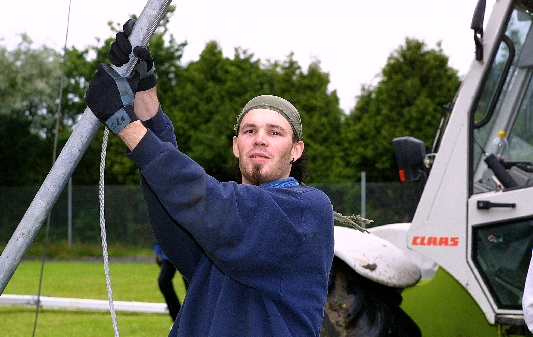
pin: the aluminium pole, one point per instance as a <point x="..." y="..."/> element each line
<point x="70" y="156"/>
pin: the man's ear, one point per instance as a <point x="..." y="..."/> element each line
<point x="235" y="149"/>
<point x="297" y="150"/>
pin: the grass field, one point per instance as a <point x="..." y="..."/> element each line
<point x="440" y="307"/>
<point x="131" y="281"/>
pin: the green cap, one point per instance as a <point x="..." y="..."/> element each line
<point x="275" y="103"/>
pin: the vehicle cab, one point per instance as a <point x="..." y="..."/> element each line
<point x="475" y="215"/>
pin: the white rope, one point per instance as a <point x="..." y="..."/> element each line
<point x="160" y="8"/>
<point x="103" y="233"/>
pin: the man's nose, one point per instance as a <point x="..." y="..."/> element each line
<point x="261" y="139"/>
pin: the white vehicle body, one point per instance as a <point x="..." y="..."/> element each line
<point x="453" y="224"/>
<point x="470" y="220"/>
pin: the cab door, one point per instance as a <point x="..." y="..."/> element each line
<point x="500" y="203"/>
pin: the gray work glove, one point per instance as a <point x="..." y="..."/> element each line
<point x="110" y="97"/>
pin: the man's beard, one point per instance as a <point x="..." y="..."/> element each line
<point x="255" y="177"/>
<point x="254" y="174"/>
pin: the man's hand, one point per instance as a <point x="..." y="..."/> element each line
<point x="121" y="51"/>
<point x="110" y="97"/>
<point x="158" y="260"/>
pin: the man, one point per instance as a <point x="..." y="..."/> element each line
<point x="166" y="285"/>
<point x="257" y="255"/>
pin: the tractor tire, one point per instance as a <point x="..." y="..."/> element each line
<point x="357" y="306"/>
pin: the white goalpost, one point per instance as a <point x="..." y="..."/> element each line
<point x="81" y="304"/>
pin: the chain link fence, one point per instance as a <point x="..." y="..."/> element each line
<point x="75" y="215"/>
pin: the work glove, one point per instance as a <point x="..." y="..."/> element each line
<point x="121" y="53"/>
<point x="110" y="97"/>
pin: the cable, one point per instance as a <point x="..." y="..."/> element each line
<point x="101" y="196"/>
<point x="151" y="15"/>
<point x="54" y="154"/>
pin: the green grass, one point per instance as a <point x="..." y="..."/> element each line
<point x="19" y="321"/>
<point x="131" y="281"/>
<point x="442" y="307"/>
<point x="62" y="250"/>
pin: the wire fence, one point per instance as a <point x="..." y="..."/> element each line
<point x="75" y="215"/>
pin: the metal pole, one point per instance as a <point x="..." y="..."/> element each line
<point x="70" y="156"/>
<point x="363" y="196"/>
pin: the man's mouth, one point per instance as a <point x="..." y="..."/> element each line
<point x="258" y="156"/>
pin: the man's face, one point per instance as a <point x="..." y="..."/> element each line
<point x="265" y="147"/>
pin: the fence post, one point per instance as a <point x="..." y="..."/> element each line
<point x="363" y="196"/>
<point x="69" y="213"/>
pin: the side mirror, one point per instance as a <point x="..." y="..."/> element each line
<point x="410" y="153"/>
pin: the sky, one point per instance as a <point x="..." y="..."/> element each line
<point x="351" y="39"/>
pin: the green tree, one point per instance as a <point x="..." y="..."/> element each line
<point x="204" y="97"/>
<point x="29" y="86"/>
<point x="80" y="68"/>
<point x="213" y="90"/>
<point x="168" y="53"/>
<point x="322" y="116"/>
<point x="25" y="157"/>
<point x="205" y="101"/>
<point x="414" y="86"/>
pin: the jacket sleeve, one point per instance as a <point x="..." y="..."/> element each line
<point x="174" y="241"/>
<point x="162" y="127"/>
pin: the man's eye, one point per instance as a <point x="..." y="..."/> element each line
<point x="248" y="131"/>
<point x="276" y="133"/>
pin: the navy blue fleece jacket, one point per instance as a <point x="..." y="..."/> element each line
<point x="257" y="259"/>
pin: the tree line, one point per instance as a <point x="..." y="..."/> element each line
<point x="203" y="98"/>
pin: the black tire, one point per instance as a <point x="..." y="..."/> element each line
<point x="357" y="306"/>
